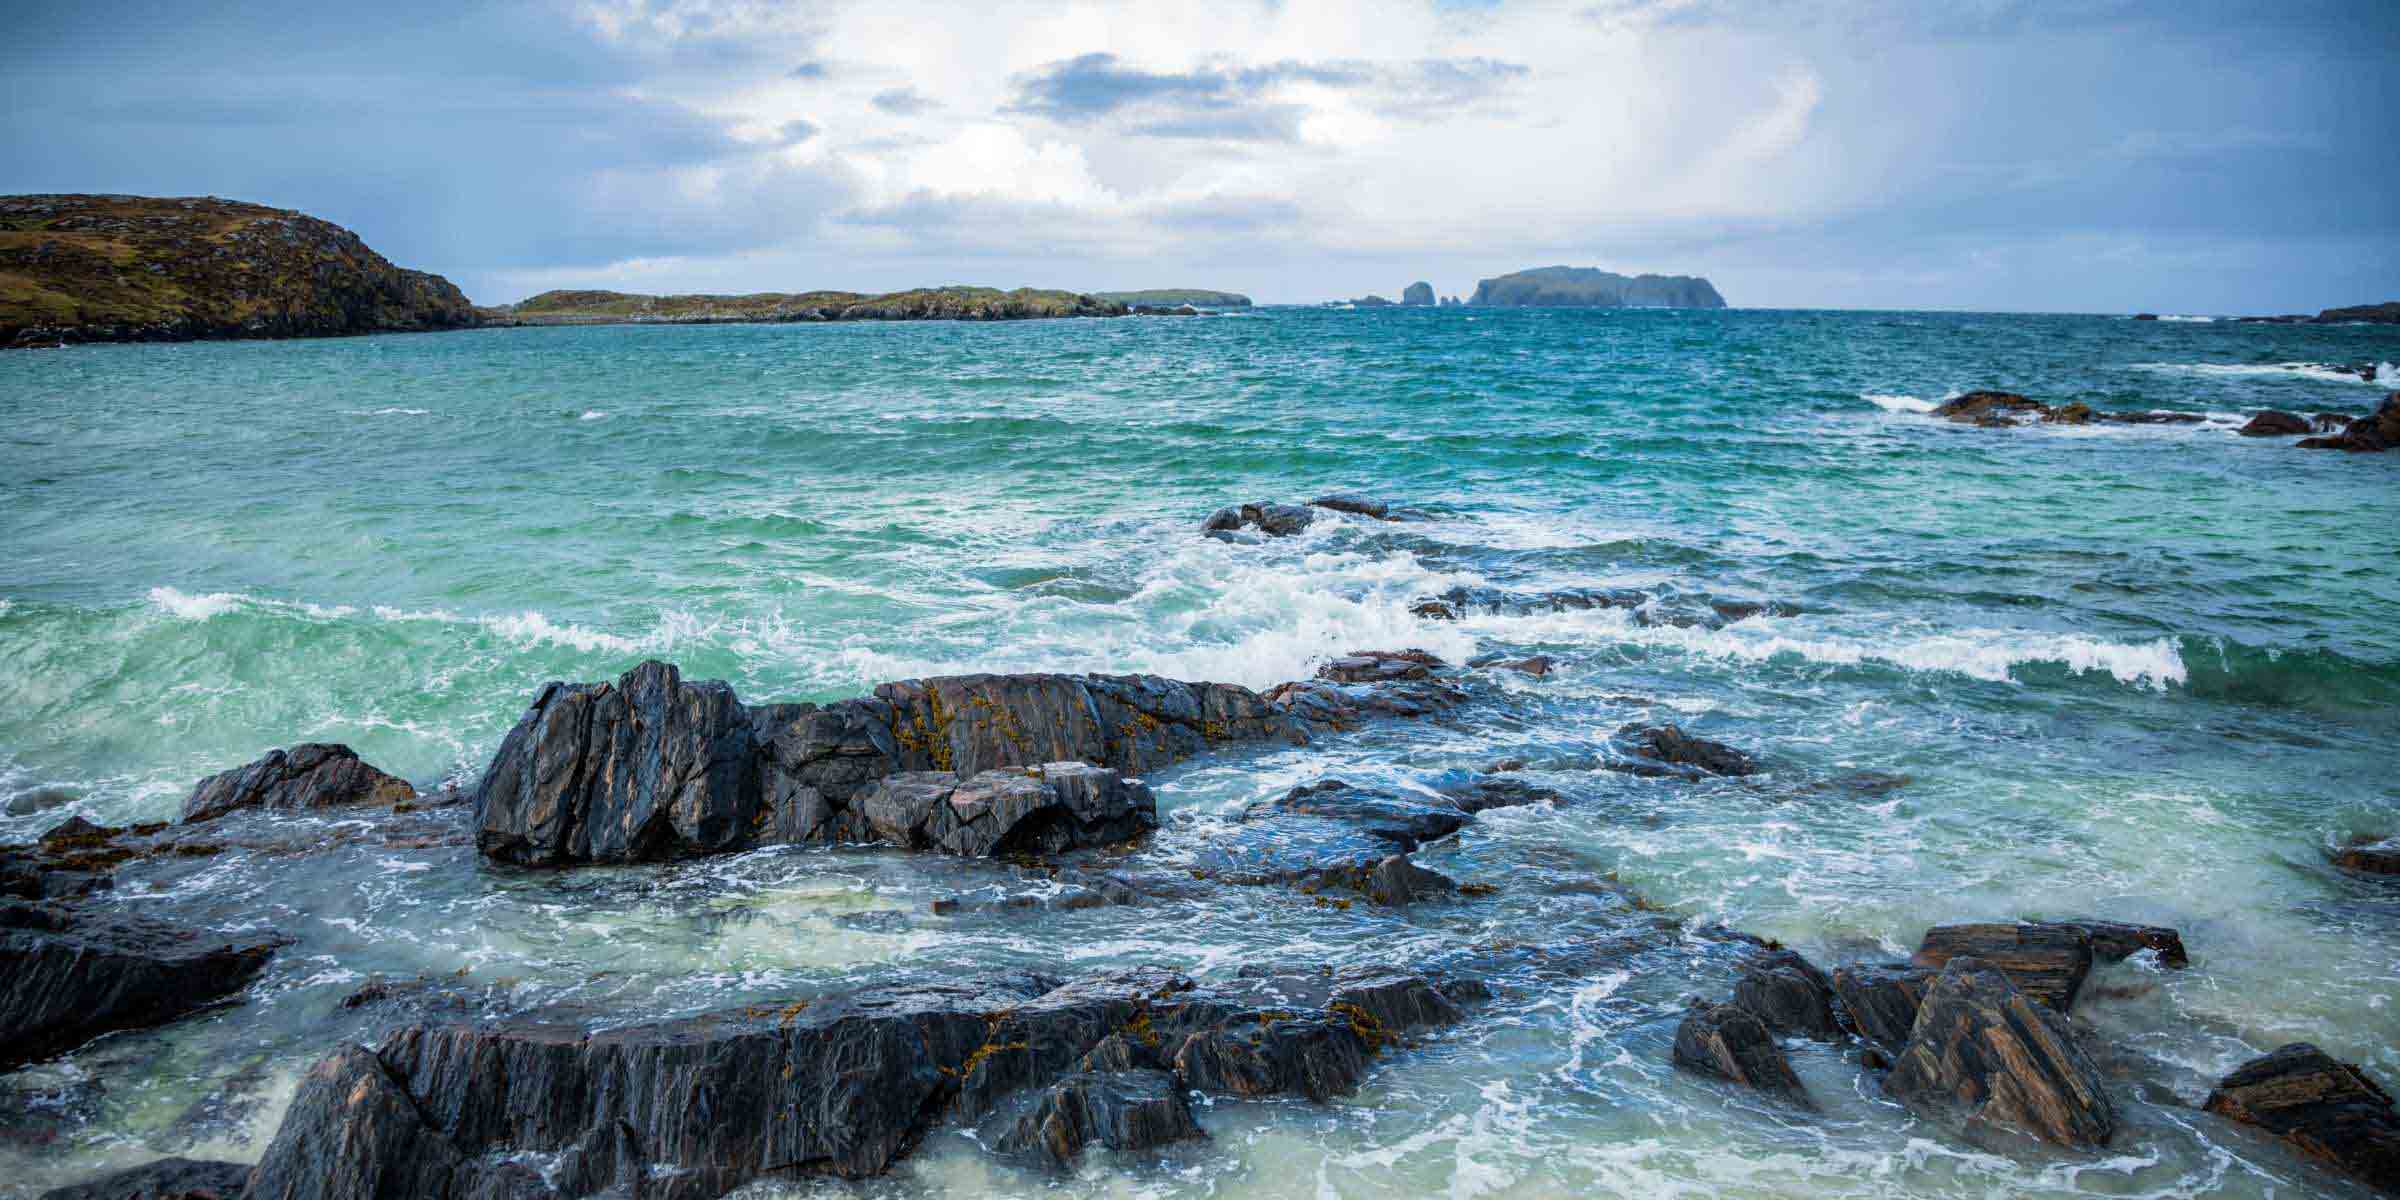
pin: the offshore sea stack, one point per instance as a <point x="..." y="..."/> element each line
<point x="651" y="767"/>
<point x="143" y="269"/>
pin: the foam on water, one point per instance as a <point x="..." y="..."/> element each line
<point x="1899" y="402"/>
<point x="2313" y="372"/>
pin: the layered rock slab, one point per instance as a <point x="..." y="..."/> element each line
<point x="2324" y="1108"/>
<point x="1983" y="1049"/>
<point x="68" y="975"/>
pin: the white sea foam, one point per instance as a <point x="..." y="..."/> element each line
<point x="2189" y="320"/>
<point x="1899" y="402"/>
<point x="592" y="414"/>
<point x="2316" y="372"/>
<point x="2387" y="375"/>
<point x="177" y="603"/>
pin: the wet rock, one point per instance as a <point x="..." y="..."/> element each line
<point x="1986" y="406"/>
<point x="1040" y="810"/>
<point x="1434" y="610"/>
<point x="1351" y="502"/>
<point x="2325" y="1109"/>
<point x="1790" y="994"/>
<point x="1504" y="766"/>
<point x="1537" y="665"/>
<point x="2115" y="941"/>
<point x="2048" y="962"/>
<point x="1381" y="666"/>
<point x="2154" y="417"/>
<point x="40" y="799"/>
<point x="2370" y="856"/>
<point x="309" y="776"/>
<point x="2274" y="423"/>
<point x="1101" y="891"/>
<point x="1396" y="881"/>
<point x="651" y="767"/>
<point x="1983" y="1048"/>
<point x="2370" y="434"/>
<point x="1342" y="706"/>
<point x="1882" y="999"/>
<point x="1484" y="795"/>
<point x="845" y="1085"/>
<point x="69" y="975"/>
<point x="1730" y="1042"/>
<point x="2075" y="413"/>
<point x="2326" y="422"/>
<point x="163" y="1179"/>
<point x="1121" y="1110"/>
<point x="1269" y="518"/>
<point x="1404" y="823"/>
<point x="1658" y="750"/>
<point x="1459" y="600"/>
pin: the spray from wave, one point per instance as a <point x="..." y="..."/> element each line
<point x="1899" y="402"/>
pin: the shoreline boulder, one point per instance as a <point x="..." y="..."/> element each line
<point x="1730" y="1042"/>
<point x="1987" y="1049"/>
<point x="2326" y="1109"/>
<point x="68" y="975"/>
<point x="2275" y="423"/>
<point x="307" y="776"/>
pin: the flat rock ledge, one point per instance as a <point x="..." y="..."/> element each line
<point x="2325" y="1109"/>
<point x="70" y="974"/>
<point x="165" y="1179"/>
<point x="2001" y="410"/>
<point x="844" y="1086"/>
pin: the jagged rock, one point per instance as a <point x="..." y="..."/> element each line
<point x="1406" y="824"/>
<point x="1039" y="810"/>
<point x="69" y="975"/>
<point x="1122" y="1110"/>
<point x="845" y="1085"/>
<point x="1267" y="517"/>
<point x="2045" y="961"/>
<point x="1483" y="795"/>
<point x="1332" y="838"/>
<point x="1732" y="1043"/>
<point x="651" y="767"/>
<point x="313" y="775"/>
<point x="2114" y="941"/>
<point x="1340" y="706"/>
<point x="2370" y="856"/>
<point x="1434" y="610"/>
<point x="2376" y="432"/>
<point x="2326" y="1109"/>
<point x="1537" y="665"/>
<point x="163" y="1179"/>
<point x="1987" y="407"/>
<point x="1982" y="1047"/>
<point x="2275" y="423"/>
<point x="1790" y="994"/>
<point x="1656" y="750"/>
<point x="1381" y="666"/>
<point x="1352" y="502"/>
<point x="1882" y="999"/>
<point x="1396" y="881"/>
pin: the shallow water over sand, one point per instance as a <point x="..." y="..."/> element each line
<point x="2146" y="673"/>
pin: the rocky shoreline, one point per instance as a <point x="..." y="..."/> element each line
<point x="2370" y="434"/>
<point x="1977" y="1031"/>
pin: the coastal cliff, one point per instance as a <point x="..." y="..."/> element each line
<point x="1590" y="287"/>
<point x="920" y="304"/>
<point x="82" y="268"/>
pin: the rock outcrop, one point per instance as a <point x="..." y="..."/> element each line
<point x="2003" y="410"/>
<point x="2369" y="856"/>
<point x="2376" y="432"/>
<point x="82" y="268"/>
<point x="1731" y="1043"/>
<point x="163" y="1179"/>
<point x="312" y="775"/>
<point x="1984" y="1049"/>
<point x="2326" y="1109"/>
<point x="843" y="1086"/>
<point x="1417" y="295"/>
<point x="2275" y="423"/>
<point x="1590" y="287"/>
<point x="2049" y="960"/>
<point x="1882" y="1000"/>
<point x="1236" y="522"/>
<point x="588" y="307"/>
<point x="2386" y="313"/>
<point x="70" y="974"/>
<point x="1661" y="750"/>
<point x="1173" y="297"/>
<point x="651" y="767"/>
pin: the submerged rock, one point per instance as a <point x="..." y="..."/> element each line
<point x="1381" y="666"/>
<point x="1537" y="665"/>
<point x="2370" y="856"/>
<point x="1732" y="1043"/>
<point x="2325" y="1109"/>
<point x="844" y="1086"/>
<point x="163" y="1179"/>
<point x="1351" y="502"/>
<point x="313" y="775"/>
<point x="1267" y="517"/>
<point x="68" y="975"/>
<point x="1667" y="750"/>
<point x="651" y="767"/>
<point x="1038" y="810"/>
<point x="1987" y="408"/>
<point x="1985" y="1049"/>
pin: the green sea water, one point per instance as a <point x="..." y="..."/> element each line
<point x="2148" y="673"/>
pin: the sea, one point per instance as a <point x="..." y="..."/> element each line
<point x="2139" y="672"/>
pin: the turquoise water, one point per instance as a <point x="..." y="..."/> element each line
<point x="2145" y="672"/>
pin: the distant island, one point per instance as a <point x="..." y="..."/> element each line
<point x="583" y="307"/>
<point x="83" y="268"/>
<point x="1171" y="297"/>
<point x="1590" y="287"/>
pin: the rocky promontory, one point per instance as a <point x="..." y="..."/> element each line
<point x="585" y="307"/>
<point x="79" y="268"/>
<point x="1175" y="297"/>
<point x="1590" y="287"/>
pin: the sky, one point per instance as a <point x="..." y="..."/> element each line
<point x="2021" y="155"/>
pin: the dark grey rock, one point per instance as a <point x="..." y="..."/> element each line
<point x="1267" y="517"/>
<point x="1039" y="810"/>
<point x="1732" y="1043"/>
<point x="1660" y="750"/>
<point x="2325" y="1109"/>
<point x="1351" y="502"/>
<point x="314" y="775"/>
<point x="1882" y="999"/>
<point x="1790" y="994"/>
<point x="68" y="975"/>
<point x="2046" y="961"/>
<point x="1985" y="1049"/>
<point x="40" y="799"/>
<point x="1122" y="1110"/>
<point x="164" y="1179"/>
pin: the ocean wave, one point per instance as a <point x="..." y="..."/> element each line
<point x="1899" y="402"/>
<point x="391" y="412"/>
<point x="2189" y="320"/>
<point x="2385" y="374"/>
<point x="1995" y="655"/>
<point x="592" y="414"/>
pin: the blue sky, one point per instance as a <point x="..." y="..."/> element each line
<point x="2003" y="154"/>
